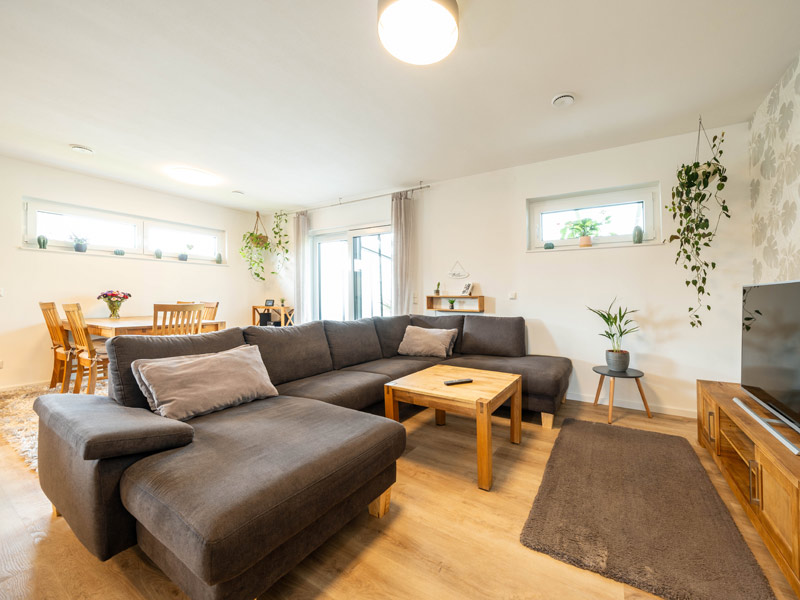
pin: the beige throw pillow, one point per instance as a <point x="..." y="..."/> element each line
<point x="420" y="341"/>
<point x="182" y="387"/>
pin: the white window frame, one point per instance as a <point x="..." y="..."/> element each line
<point x="346" y="235"/>
<point x="647" y="193"/>
<point x="33" y="205"/>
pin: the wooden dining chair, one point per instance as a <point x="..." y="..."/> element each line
<point x="89" y="354"/>
<point x="62" y="350"/>
<point x="210" y="310"/>
<point x="177" y="319"/>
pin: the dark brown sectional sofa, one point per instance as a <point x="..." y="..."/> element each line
<point x="227" y="503"/>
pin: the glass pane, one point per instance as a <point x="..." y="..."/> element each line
<point x="334" y="272"/>
<point x="97" y="232"/>
<point x="602" y="221"/>
<point x="372" y="275"/>
<point x="177" y="241"/>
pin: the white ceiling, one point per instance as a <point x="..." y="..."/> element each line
<point x="296" y="102"/>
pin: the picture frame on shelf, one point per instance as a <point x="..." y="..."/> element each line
<point x="467" y="291"/>
<point x="269" y="302"/>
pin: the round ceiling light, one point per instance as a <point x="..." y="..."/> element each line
<point x="563" y="100"/>
<point x="193" y="176"/>
<point x="418" y="32"/>
<point x="81" y="149"/>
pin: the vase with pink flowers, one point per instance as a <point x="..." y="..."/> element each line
<point x="114" y="299"/>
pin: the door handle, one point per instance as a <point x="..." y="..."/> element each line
<point x="750" y="469"/>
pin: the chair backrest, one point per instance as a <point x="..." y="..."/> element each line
<point x="55" y="327"/>
<point x="80" y="332"/>
<point x="177" y="319"/>
<point x="210" y="310"/>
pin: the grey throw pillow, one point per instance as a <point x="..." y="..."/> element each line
<point x="421" y="341"/>
<point x="182" y="387"/>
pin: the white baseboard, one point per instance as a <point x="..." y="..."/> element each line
<point x="637" y="405"/>
<point x="19" y="385"/>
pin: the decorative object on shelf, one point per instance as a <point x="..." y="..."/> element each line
<point x="436" y="291"/>
<point x="418" y="33"/>
<point x="457" y="271"/>
<point x="114" y="299"/>
<point x="638" y="235"/>
<point x="618" y="325"/>
<point x="42" y="242"/>
<point x="549" y="245"/>
<point x="452" y="303"/>
<point x="78" y="243"/>
<point x="218" y="259"/>
<point x="269" y="302"/>
<point x="283" y="301"/>
<point x="158" y="253"/>
<point x="184" y="256"/>
<point x="256" y="245"/>
<point x="691" y="205"/>
<point x="467" y="291"/>
<point x="119" y="252"/>
<point x="583" y="229"/>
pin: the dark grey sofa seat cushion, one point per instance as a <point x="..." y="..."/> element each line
<point x="390" y="332"/>
<point x="291" y="353"/>
<point x="394" y="368"/>
<point x="256" y="475"/>
<point x="543" y="377"/>
<point x="351" y="389"/>
<point x="442" y="322"/>
<point x="124" y="349"/>
<point x="495" y="336"/>
<point x="352" y="342"/>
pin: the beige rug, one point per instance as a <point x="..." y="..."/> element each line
<point x="19" y="425"/>
<point x="638" y="507"/>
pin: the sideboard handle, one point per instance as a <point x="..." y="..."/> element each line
<point x="750" y="470"/>
<point x="711" y="417"/>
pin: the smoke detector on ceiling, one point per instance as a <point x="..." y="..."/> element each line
<point x="563" y="100"/>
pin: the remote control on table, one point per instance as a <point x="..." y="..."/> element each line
<point x="457" y="381"/>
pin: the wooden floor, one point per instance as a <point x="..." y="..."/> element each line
<point x="443" y="537"/>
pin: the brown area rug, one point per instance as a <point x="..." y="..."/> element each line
<point x="638" y="507"/>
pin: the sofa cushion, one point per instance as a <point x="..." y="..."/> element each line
<point x="390" y="332"/>
<point x="182" y="387"/>
<point x="544" y="378"/>
<point x="351" y="389"/>
<point x="124" y="349"/>
<point x="292" y="352"/>
<point x="256" y="475"/>
<point x="352" y="342"/>
<point x="442" y="322"/>
<point x="394" y="368"/>
<point x="427" y="341"/>
<point x="495" y="336"/>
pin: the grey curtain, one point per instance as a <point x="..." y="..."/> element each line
<point x="302" y="296"/>
<point x="402" y="260"/>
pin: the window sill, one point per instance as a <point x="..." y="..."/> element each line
<point x="596" y="247"/>
<point x="103" y="254"/>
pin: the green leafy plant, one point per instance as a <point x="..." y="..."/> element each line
<point x="280" y="240"/>
<point x="582" y="227"/>
<point x="618" y="325"/>
<point x="77" y="240"/>
<point x="256" y="245"/>
<point x="452" y="302"/>
<point x="698" y="208"/>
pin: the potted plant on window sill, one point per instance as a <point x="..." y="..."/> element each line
<point x="79" y="244"/>
<point x="583" y="229"/>
<point x="618" y="325"/>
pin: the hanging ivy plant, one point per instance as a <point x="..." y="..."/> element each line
<point x="698" y="209"/>
<point x="256" y="245"/>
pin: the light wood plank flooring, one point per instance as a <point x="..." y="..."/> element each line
<point x="443" y="537"/>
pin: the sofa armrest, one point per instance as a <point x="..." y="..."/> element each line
<point x="96" y="427"/>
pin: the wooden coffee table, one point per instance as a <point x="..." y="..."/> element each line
<point x="479" y="399"/>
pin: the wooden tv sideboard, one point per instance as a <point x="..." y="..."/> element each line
<point x="763" y="474"/>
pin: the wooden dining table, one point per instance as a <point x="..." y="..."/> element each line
<point x="105" y="327"/>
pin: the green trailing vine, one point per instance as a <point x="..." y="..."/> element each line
<point x="698" y="209"/>
<point x="256" y="245"/>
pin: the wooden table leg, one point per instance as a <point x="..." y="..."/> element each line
<point x="641" y="393"/>
<point x="483" y="421"/>
<point x="611" y="398"/>
<point x="516" y="414"/>
<point x="78" y="379"/>
<point x="441" y="417"/>
<point x="390" y="405"/>
<point x="599" y="389"/>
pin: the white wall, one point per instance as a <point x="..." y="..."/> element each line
<point x="30" y="276"/>
<point x="481" y="221"/>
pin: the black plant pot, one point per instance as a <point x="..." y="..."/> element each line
<point x="81" y="247"/>
<point x="183" y="257"/>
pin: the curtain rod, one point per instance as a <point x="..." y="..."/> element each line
<point x="340" y="203"/>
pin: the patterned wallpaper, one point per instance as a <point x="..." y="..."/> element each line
<point x="775" y="181"/>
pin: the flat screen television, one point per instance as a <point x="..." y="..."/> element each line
<point x="771" y="348"/>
